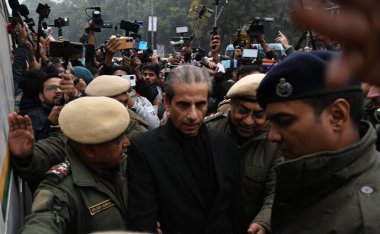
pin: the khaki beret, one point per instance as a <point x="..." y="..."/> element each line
<point x="107" y="86"/>
<point x="246" y="87"/>
<point x="93" y="120"/>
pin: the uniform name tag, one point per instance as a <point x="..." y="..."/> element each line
<point x="100" y="207"/>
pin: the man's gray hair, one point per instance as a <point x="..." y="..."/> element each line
<point x="186" y="74"/>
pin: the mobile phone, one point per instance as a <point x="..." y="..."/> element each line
<point x="125" y="43"/>
<point x="143" y="45"/>
<point x="214" y="31"/>
<point x="131" y="78"/>
<point x="250" y="53"/>
<point x="230" y="63"/>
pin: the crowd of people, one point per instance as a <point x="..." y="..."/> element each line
<point x="188" y="145"/>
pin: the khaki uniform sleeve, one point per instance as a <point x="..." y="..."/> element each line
<point x="47" y="153"/>
<point x="50" y="211"/>
<point x="264" y="216"/>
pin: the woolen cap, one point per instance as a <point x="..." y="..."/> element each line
<point x="93" y="120"/>
<point x="246" y="87"/>
<point x="83" y="73"/>
<point x="107" y="86"/>
<point x="299" y="76"/>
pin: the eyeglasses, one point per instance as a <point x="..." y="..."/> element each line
<point x="52" y="87"/>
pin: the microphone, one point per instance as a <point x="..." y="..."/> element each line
<point x="44" y="25"/>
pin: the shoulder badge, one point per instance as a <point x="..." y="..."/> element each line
<point x="60" y="170"/>
<point x="212" y="117"/>
<point x="284" y="89"/>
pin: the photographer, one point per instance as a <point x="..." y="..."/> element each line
<point x="270" y="54"/>
<point x="19" y="65"/>
<point x="151" y="74"/>
<point x="90" y="47"/>
<point x="46" y="115"/>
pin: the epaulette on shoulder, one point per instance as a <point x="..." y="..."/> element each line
<point x="219" y="115"/>
<point x="60" y="170"/>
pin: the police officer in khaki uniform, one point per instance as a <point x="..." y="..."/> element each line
<point x="248" y="126"/>
<point x="88" y="191"/>
<point x="329" y="181"/>
<point x="33" y="161"/>
<point x="117" y="88"/>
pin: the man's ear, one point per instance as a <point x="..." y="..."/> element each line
<point x="41" y="96"/>
<point x="339" y="114"/>
<point x="166" y="102"/>
<point x="86" y="150"/>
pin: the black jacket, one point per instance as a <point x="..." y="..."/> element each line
<point x="162" y="188"/>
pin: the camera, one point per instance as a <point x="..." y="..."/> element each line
<point x="97" y="21"/>
<point x="205" y="11"/>
<point x="30" y="22"/>
<point x="43" y="10"/>
<point x="66" y="49"/>
<point x="256" y="27"/>
<point x="214" y="31"/>
<point x="61" y="22"/>
<point x="131" y="28"/>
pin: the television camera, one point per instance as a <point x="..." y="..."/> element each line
<point x="97" y="21"/>
<point x="256" y="27"/>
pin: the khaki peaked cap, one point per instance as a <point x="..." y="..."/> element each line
<point x="93" y="120"/>
<point x="107" y="86"/>
<point x="246" y="87"/>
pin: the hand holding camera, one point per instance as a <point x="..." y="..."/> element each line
<point x="67" y="86"/>
<point x="112" y="45"/>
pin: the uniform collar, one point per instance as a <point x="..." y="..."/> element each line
<point x="82" y="174"/>
<point x="323" y="169"/>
